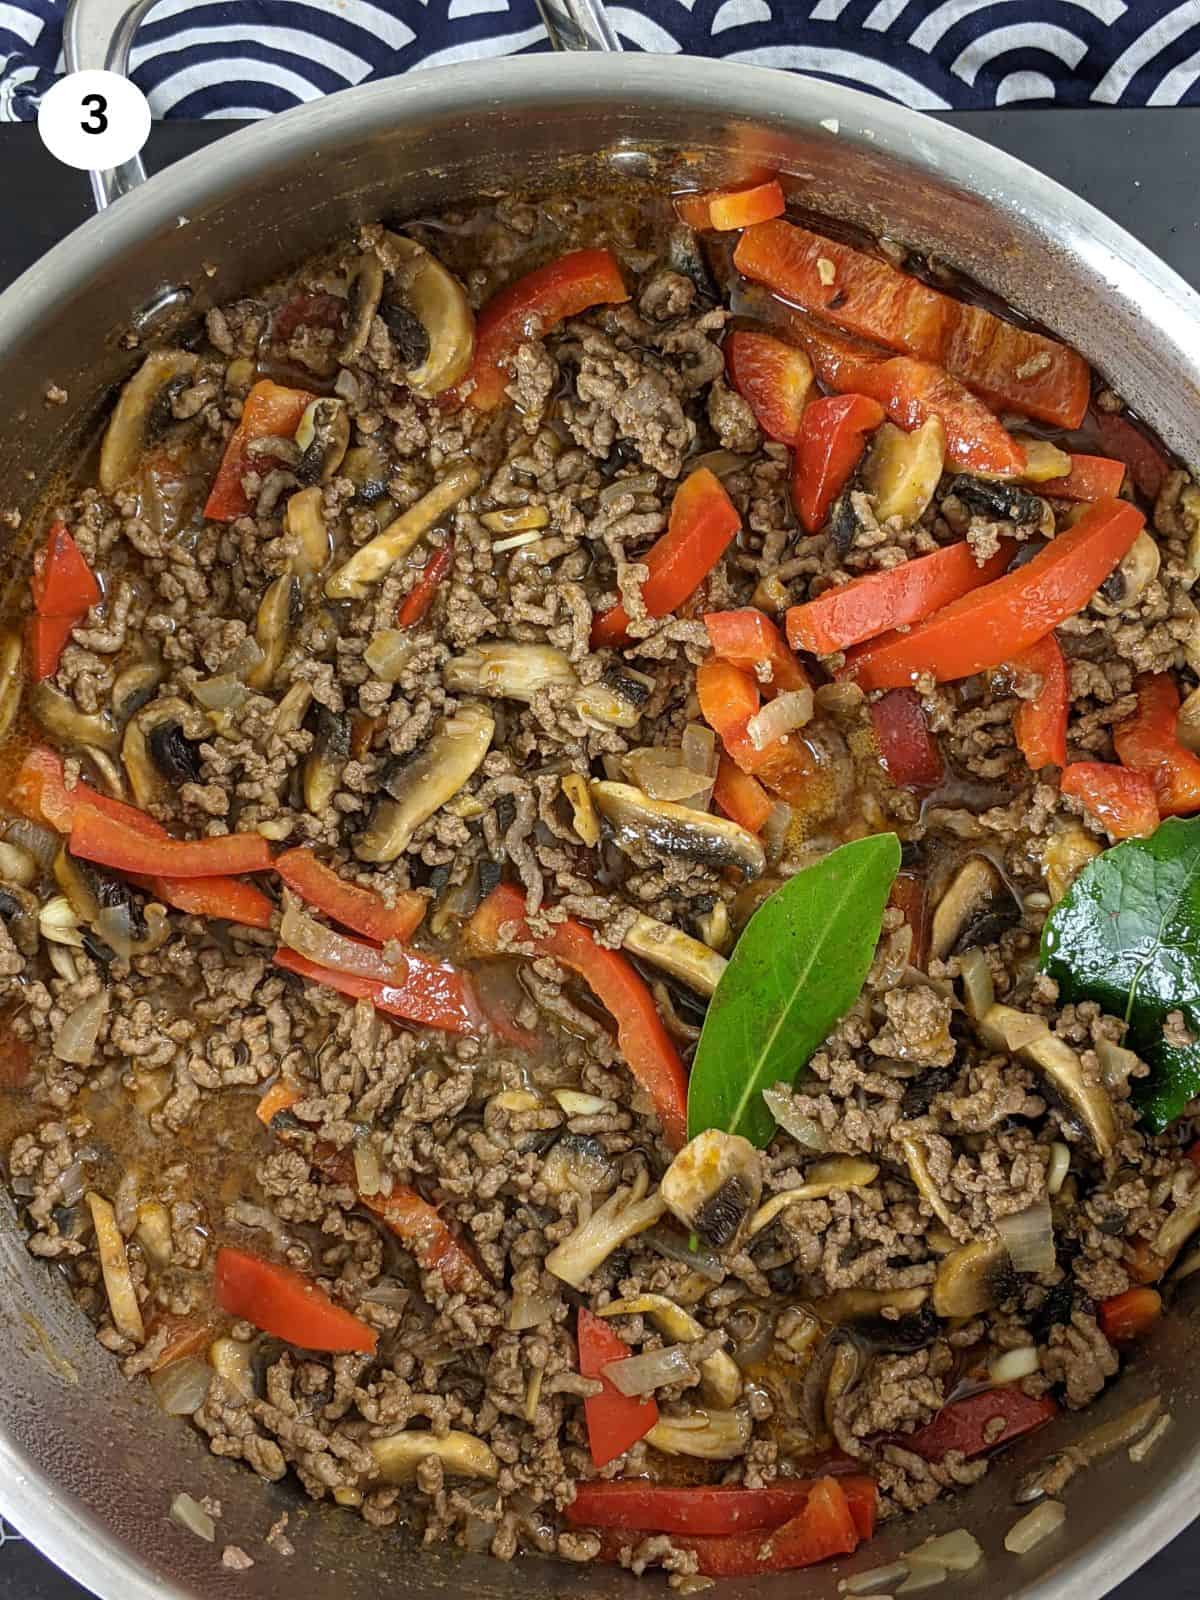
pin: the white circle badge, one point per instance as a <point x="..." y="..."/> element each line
<point x="94" y="119"/>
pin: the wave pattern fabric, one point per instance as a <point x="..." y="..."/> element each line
<point x="248" y="58"/>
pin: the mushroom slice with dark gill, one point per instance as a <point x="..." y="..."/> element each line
<point x="1129" y="579"/>
<point x="1030" y="1037"/>
<point x="60" y="716"/>
<point x="646" y="830"/>
<point x="437" y="352"/>
<point x="326" y="760"/>
<point x="363" y="294"/>
<point x="272" y="629"/>
<point x="713" y="1185"/>
<point x="322" y="437"/>
<point x="157" y="750"/>
<point x="974" y="910"/>
<point x="971" y="1279"/>
<point x="143" y="412"/>
<point x="1006" y="502"/>
<point x="424" y="784"/>
<point x="134" y="688"/>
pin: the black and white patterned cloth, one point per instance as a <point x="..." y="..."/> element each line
<point x="247" y="58"/>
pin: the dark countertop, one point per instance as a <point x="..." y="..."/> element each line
<point x="1138" y="166"/>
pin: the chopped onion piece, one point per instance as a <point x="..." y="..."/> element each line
<point x="389" y="652"/>
<point x="876" y="1579"/>
<point x="247" y="656"/>
<point x="182" y="1387"/>
<point x="775" y="830"/>
<point x="1139" y="1451"/>
<point x="1059" y="1165"/>
<point x="638" y="483"/>
<point x="76" y="1038"/>
<point x="699" y="747"/>
<point x="665" y="775"/>
<point x="529" y="1311"/>
<point x="1015" y="1029"/>
<point x="577" y="1104"/>
<point x="223" y="693"/>
<point x="313" y="939"/>
<point x="653" y="1369"/>
<point x="924" y="1576"/>
<point x="1035" y="1526"/>
<point x="957" y="1551"/>
<point x="721" y="463"/>
<point x="515" y="541"/>
<point x="114" y="1268"/>
<point x="1014" y="1365"/>
<point x="1116" y="1063"/>
<point x="979" y="992"/>
<point x="803" y="1129"/>
<point x="192" y="1516"/>
<point x="1029" y="1238"/>
<point x="367" y="1175"/>
<point x="780" y="716"/>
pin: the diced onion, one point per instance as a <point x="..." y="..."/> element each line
<point x="1059" y="1165"/>
<point x="76" y="1038"/>
<point x="1035" y="1526"/>
<point x="1014" y="1365"/>
<point x="389" y="652"/>
<point x="775" y="829"/>
<point x="721" y="463"/>
<point x="313" y="939"/>
<point x="577" y="1104"/>
<point x="515" y="541"/>
<point x="367" y="1175"/>
<point x="71" y="1183"/>
<point x="529" y="1311"/>
<point x="780" y="716"/>
<point x="638" y="483"/>
<point x="1029" y="1238"/>
<point x="927" y="1575"/>
<point x="182" y="1387"/>
<point x="1116" y="1063"/>
<point x="388" y="1293"/>
<point x="979" y="992"/>
<point x="699" y="747"/>
<point x="189" y="1514"/>
<point x="876" y="1579"/>
<point x="40" y="842"/>
<point x="653" y="1369"/>
<point x="223" y="693"/>
<point x="803" y="1129"/>
<point x="1016" y="1029"/>
<point x="665" y="775"/>
<point x="956" y="1551"/>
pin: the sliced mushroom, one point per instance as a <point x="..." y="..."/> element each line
<point x="1067" y="851"/>
<point x="616" y="700"/>
<point x="902" y="470"/>
<point x="366" y="466"/>
<point x="293" y="708"/>
<point x="839" y="1175"/>
<point x="1005" y="1028"/>
<point x="627" y="1212"/>
<point x="327" y="759"/>
<point x="1178" y="1228"/>
<point x="918" y="1167"/>
<point x="1001" y="500"/>
<point x="114" y="1267"/>
<point x="142" y="413"/>
<point x="1130" y="578"/>
<point x="273" y="628"/>
<point x="322" y="437"/>
<point x="707" y="1435"/>
<point x="153" y="1233"/>
<point x="971" y="1279"/>
<point x="304" y="524"/>
<point x="646" y="830"/>
<point x="60" y="716"/>
<point x="230" y="1360"/>
<point x="676" y="953"/>
<point x="363" y="293"/>
<point x="462" y="1455"/>
<point x="713" y="1185"/>
<point x="583" y="813"/>
<point x="376" y="558"/>
<point x="507" y="670"/>
<point x="974" y="910"/>
<point x="157" y="750"/>
<point x="844" y="1369"/>
<point x="23" y="917"/>
<point x="134" y="688"/>
<point x="424" y="289"/>
<point x="722" y="1381"/>
<point x="862" y="1305"/>
<point x="424" y="784"/>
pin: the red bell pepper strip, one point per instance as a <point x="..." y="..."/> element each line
<point x="432" y="993"/>
<point x="283" y="1303"/>
<point x="1121" y="800"/>
<point x="645" y="1043"/>
<point x="40" y="793"/>
<point x="908" y="750"/>
<point x="969" y="1425"/>
<point x="229" y="899"/>
<point x="727" y="209"/>
<point x="420" y="597"/>
<point x="614" y="1421"/>
<point x="1090" y="478"/>
<point x="97" y="836"/>
<point x="728" y="695"/>
<point x="1148" y="465"/>
<point x="702" y="521"/>
<point x="990" y="625"/>
<point x="752" y="642"/>
<point x="1147" y="742"/>
<point x="741" y="797"/>
<point x="909" y="896"/>
<point x="832" y="438"/>
<point x="1040" y="725"/>
<point x="349" y="903"/>
<point x="268" y="411"/>
<point x="534" y="304"/>
<point x="307" y="311"/>
<point x="824" y="1528"/>
<point x="47" y="638"/>
<point x="62" y="583"/>
<point x="773" y="378"/>
<point x="866" y="607"/>
<point x="1126" y="1317"/>
<point x="1010" y="367"/>
<point x="427" y="1238"/>
<point x="638" y="1506"/>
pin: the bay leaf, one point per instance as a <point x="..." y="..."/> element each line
<point x="1127" y="935"/>
<point x="797" y="969"/>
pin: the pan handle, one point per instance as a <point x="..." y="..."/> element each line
<point x="578" y="25"/>
<point x="99" y="33"/>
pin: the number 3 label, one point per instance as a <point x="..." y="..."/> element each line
<point x="94" y="119"/>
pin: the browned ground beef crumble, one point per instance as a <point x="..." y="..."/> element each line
<point x="608" y="411"/>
